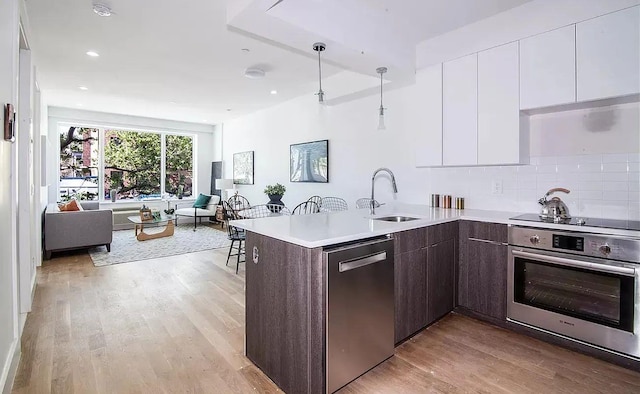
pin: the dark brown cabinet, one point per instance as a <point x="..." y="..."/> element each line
<point x="482" y="269"/>
<point x="441" y="262"/>
<point x="441" y="265"/>
<point x="424" y="264"/>
<point x="410" y="288"/>
<point x="410" y="282"/>
<point x="285" y="313"/>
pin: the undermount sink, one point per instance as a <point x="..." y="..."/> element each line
<point x="397" y="219"/>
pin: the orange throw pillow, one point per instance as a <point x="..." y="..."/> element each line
<point x="70" y="206"/>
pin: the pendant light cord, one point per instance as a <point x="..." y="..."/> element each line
<point x="320" y="70"/>
<point x="381" y="107"/>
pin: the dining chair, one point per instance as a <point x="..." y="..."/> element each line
<point x="305" y="208"/>
<point x="234" y="234"/>
<point x="238" y="202"/>
<point x="366" y="203"/>
<point x="264" y="211"/>
<point x="317" y="200"/>
<point x="333" y="204"/>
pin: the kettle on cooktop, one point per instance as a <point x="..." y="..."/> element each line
<point x="555" y="209"/>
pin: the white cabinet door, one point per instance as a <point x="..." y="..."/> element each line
<point x="608" y="55"/>
<point x="428" y="122"/>
<point x="548" y="69"/>
<point x="460" y="111"/>
<point x="499" y="139"/>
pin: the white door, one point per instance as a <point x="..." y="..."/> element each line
<point x="499" y="139"/>
<point x="428" y="119"/>
<point x="460" y="111"/>
<point x="548" y="68"/>
<point x="608" y="55"/>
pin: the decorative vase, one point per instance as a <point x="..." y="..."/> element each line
<point x="275" y="199"/>
<point x="114" y="194"/>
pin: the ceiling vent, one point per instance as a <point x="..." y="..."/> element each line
<point x="254" y="73"/>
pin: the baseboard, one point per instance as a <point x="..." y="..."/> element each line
<point x="10" y="367"/>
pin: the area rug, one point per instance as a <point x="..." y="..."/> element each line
<point x="126" y="248"/>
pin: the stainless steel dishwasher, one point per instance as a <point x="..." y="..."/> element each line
<point x="360" y="308"/>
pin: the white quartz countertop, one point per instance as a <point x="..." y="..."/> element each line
<point x="323" y="229"/>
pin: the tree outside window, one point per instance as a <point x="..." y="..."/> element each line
<point x="132" y="164"/>
<point x="79" y="158"/>
<point x="179" y="165"/>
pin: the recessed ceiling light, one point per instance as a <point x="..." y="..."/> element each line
<point x="274" y="92"/>
<point x="102" y="9"/>
<point x="83" y="88"/>
<point x="172" y="102"/>
<point x="79" y="104"/>
<point x="93" y="54"/>
<point x="228" y="109"/>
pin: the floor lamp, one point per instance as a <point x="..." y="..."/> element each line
<point x="223" y="185"/>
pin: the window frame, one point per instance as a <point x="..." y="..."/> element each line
<point x="101" y="146"/>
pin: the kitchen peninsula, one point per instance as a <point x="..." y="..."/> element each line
<point x="286" y="281"/>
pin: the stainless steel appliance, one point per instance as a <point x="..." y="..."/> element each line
<point x="578" y="285"/>
<point x="554" y="210"/>
<point x="360" y="308"/>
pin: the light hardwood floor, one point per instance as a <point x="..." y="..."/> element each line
<point x="175" y="325"/>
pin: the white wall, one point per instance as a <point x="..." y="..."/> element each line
<point x="205" y="151"/>
<point x="9" y="17"/>
<point x="356" y="147"/>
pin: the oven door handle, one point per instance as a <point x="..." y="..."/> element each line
<point x="577" y="264"/>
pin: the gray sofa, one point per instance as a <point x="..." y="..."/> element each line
<point x="77" y="229"/>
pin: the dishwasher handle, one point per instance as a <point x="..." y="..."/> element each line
<point x="359" y="262"/>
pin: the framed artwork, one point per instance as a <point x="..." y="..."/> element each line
<point x="243" y="168"/>
<point x="9" y="123"/>
<point x="145" y="214"/>
<point x="309" y="162"/>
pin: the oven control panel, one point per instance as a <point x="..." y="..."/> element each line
<point x="568" y="242"/>
<point x="596" y="245"/>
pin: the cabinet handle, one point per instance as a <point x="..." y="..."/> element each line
<point x="488" y="241"/>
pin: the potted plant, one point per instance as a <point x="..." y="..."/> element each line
<point x="275" y="193"/>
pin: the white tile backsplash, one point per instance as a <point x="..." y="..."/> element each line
<point x="602" y="185"/>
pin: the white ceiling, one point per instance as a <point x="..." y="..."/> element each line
<point x="155" y="52"/>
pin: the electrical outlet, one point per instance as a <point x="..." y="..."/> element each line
<point x="496" y="186"/>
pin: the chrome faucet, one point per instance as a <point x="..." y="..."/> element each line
<point x="372" y="203"/>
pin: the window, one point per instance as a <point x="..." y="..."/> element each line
<point x="79" y="163"/>
<point x="95" y="161"/>
<point x="132" y="164"/>
<point x="179" y="165"/>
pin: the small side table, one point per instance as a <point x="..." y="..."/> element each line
<point x="220" y="215"/>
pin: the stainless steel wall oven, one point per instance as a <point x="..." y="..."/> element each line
<point x="579" y="285"/>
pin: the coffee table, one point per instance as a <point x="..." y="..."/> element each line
<point x="142" y="236"/>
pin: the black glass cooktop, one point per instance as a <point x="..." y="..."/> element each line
<point x="581" y="221"/>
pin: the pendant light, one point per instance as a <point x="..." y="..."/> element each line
<point x="319" y="47"/>
<point x="381" y="126"/>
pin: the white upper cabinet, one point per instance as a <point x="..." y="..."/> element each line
<point x="608" y="55"/>
<point x="499" y="136"/>
<point x="548" y="69"/>
<point x="460" y="111"/>
<point x="428" y="117"/>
